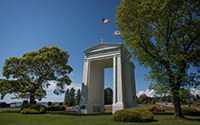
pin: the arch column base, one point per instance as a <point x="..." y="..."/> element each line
<point x="117" y="106"/>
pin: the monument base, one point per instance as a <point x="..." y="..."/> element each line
<point x="117" y="106"/>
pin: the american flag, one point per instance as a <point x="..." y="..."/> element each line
<point x="105" y="20"/>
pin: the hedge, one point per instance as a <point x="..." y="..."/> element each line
<point x="190" y="111"/>
<point x="56" y="108"/>
<point x="33" y="109"/>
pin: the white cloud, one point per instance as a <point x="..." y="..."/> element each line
<point x="53" y="98"/>
<point x="8" y="99"/>
<point x="149" y="93"/>
<point x="58" y="98"/>
<point x="71" y="74"/>
<point x="75" y="85"/>
<point x="53" y="86"/>
<point x="2" y="77"/>
<point x="194" y="91"/>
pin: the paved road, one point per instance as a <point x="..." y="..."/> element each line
<point x="166" y="104"/>
<point x="171" y="105"/>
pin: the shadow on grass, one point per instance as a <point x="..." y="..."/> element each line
<point x="163" y="113"/>
<point x="105" y="114"/>
<point x="190" y="118"/>
<point x="9" y="110"/>
<point x="193" y="119"/>
<point x="73" y="114"/>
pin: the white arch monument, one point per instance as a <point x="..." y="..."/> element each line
<point x="97" y="58"/>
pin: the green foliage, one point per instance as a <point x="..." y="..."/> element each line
<point x="67" y="98"/>
<point x="153" y="101"/>
<point x="108" y="93"/>
<point x="33" y="71"/>
<point x="134" y="115"/>
<point x="164" y="37"/>
<point x="72" y="97"/>
<point x="143" y="99"/>
<point x="78" y="97"/>
<point x="186" y="97"/>
<point x="190" y="111"/>
<point x="49" y="103"/>
<point x="56" y="108"/>
<point x="25" y="102"/>
<point x="33" y="109"/>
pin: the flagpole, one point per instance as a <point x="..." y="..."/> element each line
<point x="101" y="30"/>
<point x="113" y="37"/>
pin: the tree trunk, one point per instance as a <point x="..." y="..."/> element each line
<point x="177" y="102"/>
<point x="177" y="107"/>
<point x="32" y="99"/>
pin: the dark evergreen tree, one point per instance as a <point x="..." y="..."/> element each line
<point x="143" y="98"/>
<point x="72" y="97"/>
<point x="67" y="98"/>
<point x="78" y="97"/>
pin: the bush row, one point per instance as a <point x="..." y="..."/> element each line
<point x="190" y="111"/>
<point x="40" y="109"/>
<point x="56" y="108"/>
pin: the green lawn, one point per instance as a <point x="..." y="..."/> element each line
<point x="13" y="117"/>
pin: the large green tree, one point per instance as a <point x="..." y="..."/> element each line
<point x="164" y="36"/>
<point x="26" y="77"/>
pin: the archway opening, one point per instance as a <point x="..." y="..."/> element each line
<point x="108" y="89"/>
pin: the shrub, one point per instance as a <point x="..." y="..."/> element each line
<point x="3" y="105"/>
<point x="190" y="111"/>
<point x="34" y="102"/>
<point x="156" y="109"/>
<point x="63" y="108"/>
<point x="153" y="102"/>
<point x="49" y="103"/>
<point x="33" y="109"/>
<point x="56" y="108"/>
<point x="133" y="115"/>
<point x="25" y="102"/>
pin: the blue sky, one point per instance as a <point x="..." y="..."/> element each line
<point x="72" y="25"/>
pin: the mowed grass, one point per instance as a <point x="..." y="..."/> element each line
<point x="13" y="117"/>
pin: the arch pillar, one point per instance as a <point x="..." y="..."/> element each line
<point x="117" y="84"/>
